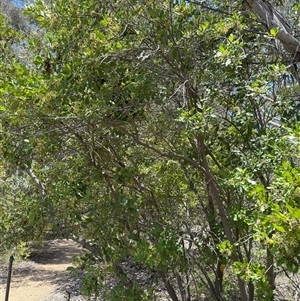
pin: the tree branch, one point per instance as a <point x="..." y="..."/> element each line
<point x="272" y="18"/>
<point x="36" y="180"/>
<point x="171" y="155"/>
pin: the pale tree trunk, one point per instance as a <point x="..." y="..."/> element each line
<point x="272" y="18"/>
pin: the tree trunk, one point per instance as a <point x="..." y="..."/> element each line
<point x="271" y="17"/>
<point x="169" y="287"/>
<point x="219" y="277"/>
<point x="251" y="291"/>
<point x="221" y="211"/>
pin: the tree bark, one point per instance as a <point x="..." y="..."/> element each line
<point x="221" y="210"/>
<point x="270" y="271"/>
<point x="272" y="19"/>
<point x="36" y="180"/>
<point x="251" y="291"/>
<point x="169" y="287"/>
<point x="219" y="277"/>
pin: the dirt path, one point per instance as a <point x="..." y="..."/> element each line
<point x="43" y="277"/>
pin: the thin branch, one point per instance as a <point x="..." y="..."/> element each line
<point x="171" y="155"/>
<point x="36" y="180"/>
<point x="214" y="9"/>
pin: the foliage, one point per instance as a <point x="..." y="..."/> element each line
<point x="162" y="132"/>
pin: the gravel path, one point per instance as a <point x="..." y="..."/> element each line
<point x="43" y="277"/>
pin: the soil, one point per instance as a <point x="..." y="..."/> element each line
<point x="43" y="277"/>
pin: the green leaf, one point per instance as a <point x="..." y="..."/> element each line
<point x="274" y="31"/>
<point x="279" y="228"/>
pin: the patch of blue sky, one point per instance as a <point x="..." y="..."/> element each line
<point x="19" y="3"/>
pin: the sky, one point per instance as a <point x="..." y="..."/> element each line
<point x="19" y="3"/>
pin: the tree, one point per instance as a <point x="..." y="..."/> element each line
<point x="156" y="133"/>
